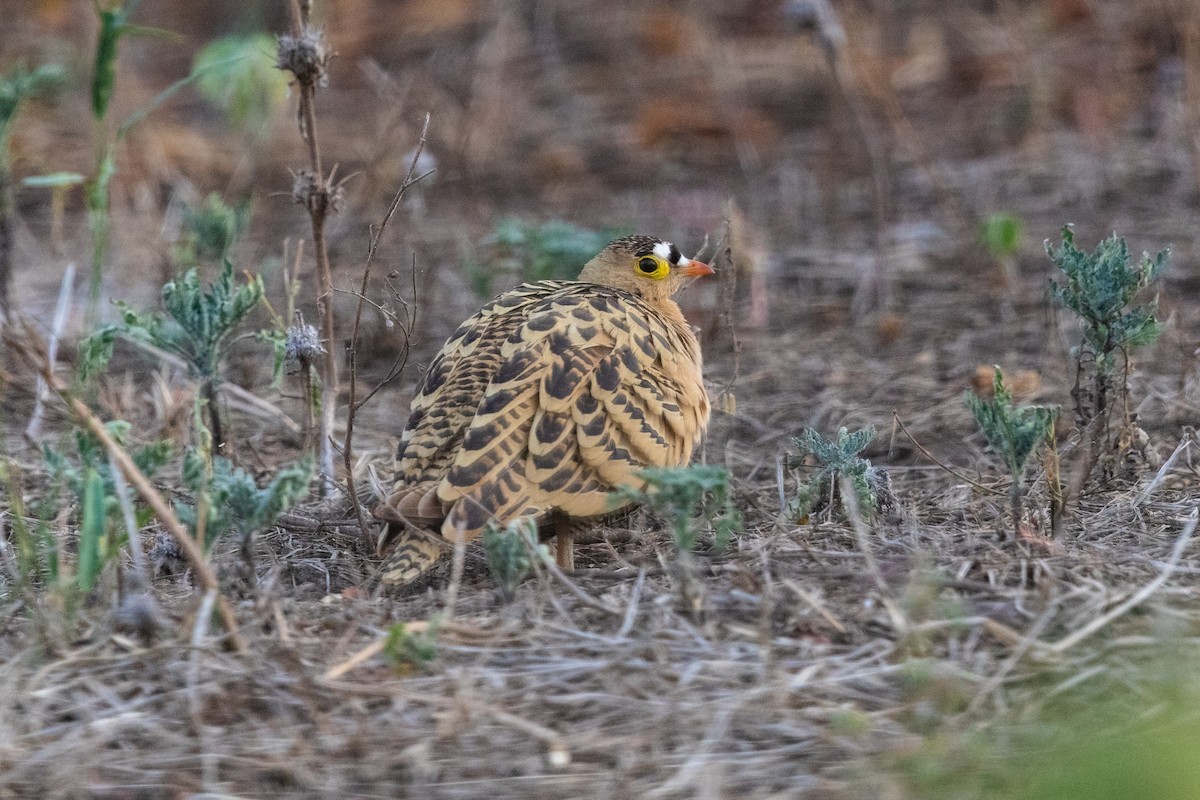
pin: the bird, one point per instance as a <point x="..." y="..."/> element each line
<point x="542" y="404"/>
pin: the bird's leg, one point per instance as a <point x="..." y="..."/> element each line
<point x="564" y="550"/>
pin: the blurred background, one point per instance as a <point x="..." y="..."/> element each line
<point x="849" y="143"/>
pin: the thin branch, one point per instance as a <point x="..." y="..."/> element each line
<point x="934" y="459"/>
<point x="352" y="407"/>
<point x="401" y="357"/>
<point x="319" y="198"/>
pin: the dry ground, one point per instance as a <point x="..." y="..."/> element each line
<point x="914" y="659"/>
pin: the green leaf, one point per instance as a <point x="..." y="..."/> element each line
<point x="1013" y="431"/>
<point x="104" y="70"/>
<point x="240" y="77"/>
<point x="91" y="531"/>
<point x="1001" y="234"/>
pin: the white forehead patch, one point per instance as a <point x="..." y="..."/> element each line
<point x="663" y="250"/>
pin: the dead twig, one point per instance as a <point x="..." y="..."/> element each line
<point x="304" y="53"/>
<point x="352" y="408"/>
<point x="943" y="465"/>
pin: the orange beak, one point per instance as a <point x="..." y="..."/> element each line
<point x="697" y="269"/>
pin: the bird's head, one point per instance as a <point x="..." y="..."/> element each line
<point x="646" y="266"/>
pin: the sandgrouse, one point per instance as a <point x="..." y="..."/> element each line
<point x="546" y="400"/>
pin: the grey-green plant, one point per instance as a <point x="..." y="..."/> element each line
<point x="696" y="500"/>
<point x="17" y="87"/>
<point x="835" y="459"/>
<point x="1013" y="432"/>
<point x="552" y="250"/>
<point x="1102" y="289"/>
<point x="199" y="327"/>
<point x="240" y="77"/>
<point x="38" y="573"/>
<point x="509" y="552"/>
<point x="226" y="498"/>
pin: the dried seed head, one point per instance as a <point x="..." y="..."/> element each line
<point x="314" y="195"/>
<point x="166" y="555"/>
<point x="305" y="187"/>
<point x="302" y="347"/>
<point x="305" y="56"/>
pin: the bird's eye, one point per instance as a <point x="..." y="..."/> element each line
<point x="648" y="265"/>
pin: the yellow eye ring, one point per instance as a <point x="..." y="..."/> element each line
<point x="652" y="267"/>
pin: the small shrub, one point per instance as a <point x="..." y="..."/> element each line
<point x="837" y="459"/>
<point x="1100" y="288"/>
<point x="53" y="585"/>
<point x="695" y="499"/>
<point x="199" y="327"/>
<point x="233" y="501"/>
<point x="1014" y="432"/>
<point x="88" y="476"/>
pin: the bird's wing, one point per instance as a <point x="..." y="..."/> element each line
<point x="593" y="386"/>
<point x="455" y="384"/>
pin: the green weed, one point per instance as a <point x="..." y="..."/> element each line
<point x="228" y="499"/>
<point x="88" y="476"/>
<point x="835" y="459"/>
<point x="412" y="649"/>
<point x="1013" y="432"/>
<point x="199" y="327"/>
<point x="508" y="552"/>
<point x="1101" y="288"/>
<point x="695" y="500"/>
